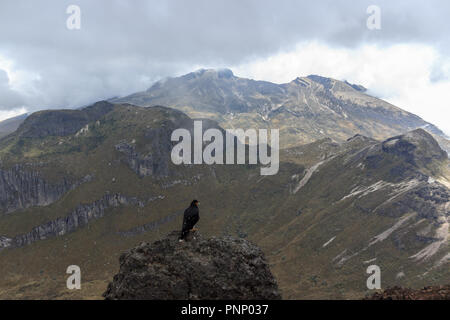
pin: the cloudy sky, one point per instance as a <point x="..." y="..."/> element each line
<point x="124" y="46"/>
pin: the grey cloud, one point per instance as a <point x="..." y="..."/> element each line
<point x="9" y="99"/>
<point x="123" y="46"/>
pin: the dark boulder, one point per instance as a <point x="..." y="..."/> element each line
<point x="215" y="268"/>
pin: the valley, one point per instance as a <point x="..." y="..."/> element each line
<point x="79" y="187"/>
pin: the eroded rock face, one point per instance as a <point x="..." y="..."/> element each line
<point x="20" y="189"/>
<point x="417" y="147"/>
<point x="154" y="163"/>
<point x="216" y="268"/>
<point x="78" y="218"/>
<point x="5" y="242"/>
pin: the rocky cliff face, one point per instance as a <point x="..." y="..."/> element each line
<point x="156" y="161"/>
<point x="21" y="188"/>
<point x="4" y="242"/>
<point x="416" y="147"/>
<point x="76" y="219"/>
<point x="216" y="268"/>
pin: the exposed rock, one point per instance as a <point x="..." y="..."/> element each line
<point x="156" y="161"/>
<point x="20" y="189"/>
<point x="357" y="87"/>
<point x="76" y="219"/>
<point x="325" y="82"/>
<point x="215" y="268"/>
<point x="305" y="109"/>
<point x="417" y="147"/>
<point x="185" y="182"/>
<point x="5" y="242"/>
<point x="429" y="201"/>
<point x="427" y="293"/>
<point x="61" y="122"/>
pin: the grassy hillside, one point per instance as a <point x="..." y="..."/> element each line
<point x="341" y="195"/>
<point x="304" y="110"/>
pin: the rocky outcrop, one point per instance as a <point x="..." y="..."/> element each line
<point x="144" y="165"/>
<point x="427" y="293"/>
<point x="417" y="147"/>
<point x="5" y="242"/>
<point x="155" y="157"/>
<point x="21" y="189"/>
<point x="76" y="219"/>
<point x="429" y="200"/>
<point x="156" y="161"/>
<point x="61" y="122"/>
<point x="215" y="268"/>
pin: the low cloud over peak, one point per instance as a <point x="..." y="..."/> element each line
<point x="124" y="47"/>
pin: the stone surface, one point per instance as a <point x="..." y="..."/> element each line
<point x="21" y="189"/>
<point x="215" y="268"/>
<point x="427" y="293"/>
<point x="78" y="218"/>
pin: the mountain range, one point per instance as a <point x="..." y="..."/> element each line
<point x="305" y="109"/>
<point x="361" y="182"/>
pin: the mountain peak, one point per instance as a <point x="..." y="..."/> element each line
<point x="329" y="82"/>
<point x="330" y="107"/>
<point x="357" y="87"/>
<point x="326" y="82"/>
<point x="417" y="147"/>
<point x="222" y="73"/>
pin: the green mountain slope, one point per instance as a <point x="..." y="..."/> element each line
<point x="80" y="187"/>
<point x="305" y="109"/>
